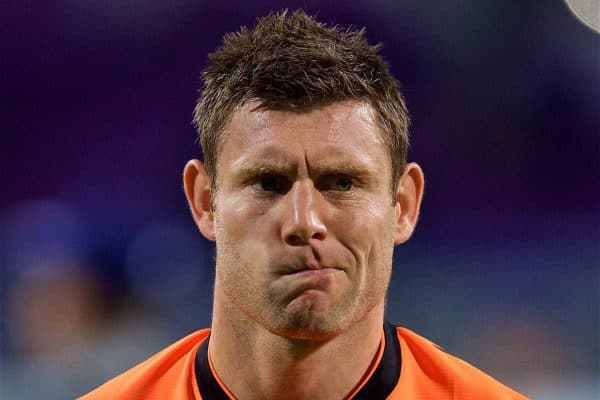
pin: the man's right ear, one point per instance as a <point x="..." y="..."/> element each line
<point x="196" y="184"/>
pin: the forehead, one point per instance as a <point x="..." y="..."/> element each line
<point x="346" y="124"/>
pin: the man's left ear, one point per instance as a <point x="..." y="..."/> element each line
<point x="408" y="196"/>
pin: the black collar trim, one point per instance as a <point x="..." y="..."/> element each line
<point x="386" y="376"/>
<point x="207" y="384"/>
<point x="380" y="385"/>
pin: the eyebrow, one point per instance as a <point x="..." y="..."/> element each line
<point x="252" y="168"/>
<point x="341" y="166"/>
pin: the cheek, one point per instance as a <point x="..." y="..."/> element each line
<point x="242" y="232"/>
<point x="368" y="233"/>
<point x="369" y="226"/>
<point x="238" y="217"/>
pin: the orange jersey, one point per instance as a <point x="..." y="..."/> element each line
<point x="407" y="366"/>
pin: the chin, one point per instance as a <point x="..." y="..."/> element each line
<point x="308" y="324"/>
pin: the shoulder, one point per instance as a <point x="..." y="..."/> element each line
<point x="165" y="372"/>
<point x="427" y="365"/>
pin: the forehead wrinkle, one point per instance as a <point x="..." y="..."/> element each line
<point x="272" y="154"/>
<point x="275" y="158"/>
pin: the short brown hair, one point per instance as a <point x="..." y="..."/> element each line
<point x="291" y="62"/>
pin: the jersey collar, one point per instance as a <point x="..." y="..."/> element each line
<point x="379" y="386"/>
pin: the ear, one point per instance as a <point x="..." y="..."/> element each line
<point x="408" y="196"/>
<point x="196" y="184"/>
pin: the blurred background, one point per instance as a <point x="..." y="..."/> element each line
<point x="102" y="265"/>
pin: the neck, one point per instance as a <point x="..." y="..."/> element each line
<point x="254" y="363"/>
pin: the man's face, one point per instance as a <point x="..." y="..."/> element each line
<point x="304" y="221"/>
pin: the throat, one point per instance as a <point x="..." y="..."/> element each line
<point x="298" y="370"/>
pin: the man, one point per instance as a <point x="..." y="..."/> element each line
<point x="305" y="189"/>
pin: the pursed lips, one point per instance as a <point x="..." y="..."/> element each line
<point x="307" y="277"/>
<point x="313" y="269"/>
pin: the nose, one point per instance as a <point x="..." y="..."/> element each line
<point x="303" y="216"/>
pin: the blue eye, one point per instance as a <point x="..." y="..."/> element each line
<point x="343" y="183"/>
<point x="336" y="182"/>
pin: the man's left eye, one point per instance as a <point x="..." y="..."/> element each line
<point x="341" y="183"/>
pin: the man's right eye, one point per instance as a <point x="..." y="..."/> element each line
<point x="273" y="183"/>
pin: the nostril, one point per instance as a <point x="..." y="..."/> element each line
<point x="318" y="236"/>
<point x="295" y="240"/>
<point x="300" y="240"/>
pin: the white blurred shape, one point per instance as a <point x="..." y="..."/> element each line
<point x="587" y="12"/>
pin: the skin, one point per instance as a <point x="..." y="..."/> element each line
<point x="305" y="225"/>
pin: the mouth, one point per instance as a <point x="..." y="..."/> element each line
<point x="312" y="270"/>
<point x="315" y="272"/>
<point x="308" y="279"/>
